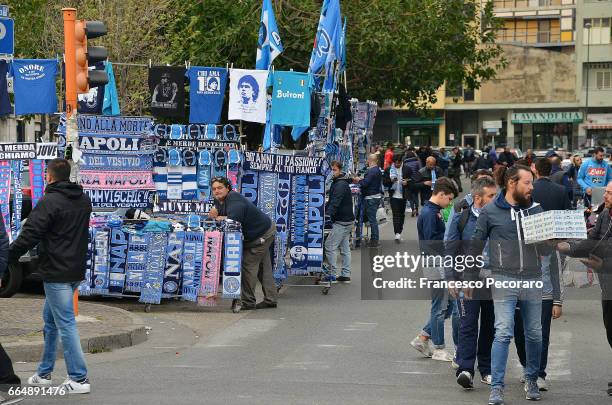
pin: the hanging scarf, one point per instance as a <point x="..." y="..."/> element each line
<point x="85" y="286"/>
<point x="138" y="246"/>
<point x="16" y="168"/>
<point x="5" y="195"/>
<point x="233" y="168"/>
<point x="267" y="194"/>
<point x="232" y="262"/>
<point x="249" y="183"/>
<point x="118" y="259"/>
<point x="151" y="292"/>
<point x="37" y="180"/>
<point x="204" y="166"/>
<point x="193" y="249"/>
<point x="172" y="275"/>
<point x="210" y="268"/>
<point x="160" y="174"/>
<point x="219" y="164"/>
<point x="299" y="220"/>
<point x="100" y="274"/>
<point x="316" y="221"/>
<point x="283" y="208"/>
<point x="175" y="175"/>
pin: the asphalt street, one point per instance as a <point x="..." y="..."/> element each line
<point x="317" y="349"/>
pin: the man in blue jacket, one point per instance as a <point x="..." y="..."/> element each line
<point x="595" y="172"/>
<point x="516" y="268"/>
<point x="472" y="304"/>
<point x="372" y="193"/>
<point x="340" y="209"/>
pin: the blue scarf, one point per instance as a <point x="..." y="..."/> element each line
<point x="118" y="259"/>
<point x="267" y="191"/>
<point x="219" y="164"/>
<point x="316" y="220"/>
<point x="172" y="276"/>
<point x="204" y="165"/>
<point x="298" y="245"/>
<point x="151" y="292"/>
<point x="37" y="180"/>
<point x="250" y="184"/>
<point x="138" y="246"/>
<point x="5" y="193"/>
<point x="101" y="262"/>
<point x="232" y="262"/>
<point x="283" y="208"/>
<point x="193" y="249"/>
<point x="85" y="286"/>
<point x="16" y="167"/>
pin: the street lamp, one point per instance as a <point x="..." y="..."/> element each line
<point x="587" y="25"/>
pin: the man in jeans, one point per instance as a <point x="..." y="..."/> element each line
<point x="371" y="190"/>
<point x="340" y="210"/>
<point x="59" y="224"/>
<point x="512" y="260"/>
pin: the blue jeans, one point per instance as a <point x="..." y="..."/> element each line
<point x="58" y="315"/>
<point x="338" y="241"/>
<point x="442" y="307"/>
<point x="506" y="300"/>
<point x="371" y="206"/>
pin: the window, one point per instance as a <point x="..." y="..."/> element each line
<point x="604" y="80"/>
<point x="544" y="31"/>
<point x="599" y="32"/>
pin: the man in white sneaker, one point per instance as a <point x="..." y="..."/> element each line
<point x="59" y="225"/>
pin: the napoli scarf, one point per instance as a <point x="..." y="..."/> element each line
<point x="37" y="180"/>
<point x="193" y="249"/>
<point x="210" y="269"/>
<point x="190" y="186"/>
<point x="299" y="220"/>
<point x="219" y="164"/>
<point x="160" y="174"/>
<point x="100" y="274"/>
<point x="5" y="194"/>
<point x="250" y="183"/>
<point x="16" y="168"/>
<point x="118" y="258"/>
<point x="233" y="167"/>
<point x="172" y="275"/>
<point x="138" y="246"/>
<point x="232" y="261"/>
<point x="316" y="218"/>
<point x="175" y="175"/>
<point x="85" y="286"/>
<point x="268" y="194"/>
<point x="204" y="163"/>
<point x="151" y="292"/>
<point x="282" y="226"/>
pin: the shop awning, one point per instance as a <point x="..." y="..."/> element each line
<point x="598" y="126"/>
<point x="419" y="121"/>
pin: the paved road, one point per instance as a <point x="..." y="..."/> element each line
<point x="334" y="349"/>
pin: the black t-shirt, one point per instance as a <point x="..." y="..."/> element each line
<point x="236" y="207"/>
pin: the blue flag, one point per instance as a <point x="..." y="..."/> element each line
<point x="343" y="48"/>
<point x="269" y="45"/>
<point x="327" y="40"/>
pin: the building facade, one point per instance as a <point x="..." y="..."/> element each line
<point x="542" y="99"/>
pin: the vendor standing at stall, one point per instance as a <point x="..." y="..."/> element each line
<point x="258" y="232"/>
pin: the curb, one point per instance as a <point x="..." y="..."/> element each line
<point x="129" y="336"/>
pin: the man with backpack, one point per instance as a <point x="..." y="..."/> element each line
<point x="476" y="304"/>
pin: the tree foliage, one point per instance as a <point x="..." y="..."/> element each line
<point x="396" y="49"/>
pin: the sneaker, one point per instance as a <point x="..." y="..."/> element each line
<point x="466" y="380"/>
<point x="486" y="379"/>
<point x="542" y="384"/>
<point x="422" y="347"/>
<point x="344" y="280"/>
<point x="265" y="304"/>
<point x="532" y="390"/>
<point x="441" y="355"/>
<point x="497" y="396"/>
<point x="398" y="237"/>
<point x="38" y="381"/>
<point x="73" y="387"/>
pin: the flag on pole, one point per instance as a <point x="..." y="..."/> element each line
<point x="269" y="45"/>
<point x="343" y="48"/>
<point x="327" y="40"/>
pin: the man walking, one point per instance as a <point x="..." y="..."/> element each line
<point x="512" y="261"/>
<point x="400" y="175"/>
<point x="371" y="190"/>
<point x="472" y="304"/>
<point x="59" y="224"/>
<point x="340" y="209"/>
<point x="594" y="172"/>
<point x="427" y="177"/>
<point x="454" y="171"/>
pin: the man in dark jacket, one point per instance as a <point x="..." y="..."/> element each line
<point x="454" y="171"/>
<point x="59" y="225"/>
<point x="512" y="261"/>
<point x="426" y="179"/>
<point x="550" y="196"/>
<point x="506" y="157"/>
<point x="597" y="251"/>
<point x="371" y="191"/>
<point x="559" y="176"/>
<point x="340" y="209"/>
<point x="411" y="192"/>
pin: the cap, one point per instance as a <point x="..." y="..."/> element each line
<point x="551" y="153"/>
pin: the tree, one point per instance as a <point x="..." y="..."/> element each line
<point x="396" y="49"/>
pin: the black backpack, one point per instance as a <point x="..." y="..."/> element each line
<point x="464" y="208"/>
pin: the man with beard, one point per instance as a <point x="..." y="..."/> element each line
<point x="511" y="261"/>
<point x="598" y="250"/>
<point x="165" y="91"/>
<point x="595" y="172"/>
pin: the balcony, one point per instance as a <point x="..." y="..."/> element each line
<point x="510" y="4"/>
<point x="531" y="38"/>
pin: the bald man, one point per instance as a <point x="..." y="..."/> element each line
<point x="426" y="178"/>
<point x="371" y="191"/>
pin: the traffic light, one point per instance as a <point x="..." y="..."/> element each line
<point x="89" y="55"/>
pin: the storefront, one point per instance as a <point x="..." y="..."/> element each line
<point x="599" y="130"/>
<point x="420" y="132"/>
<point x="494" y="133"/>
<point x="545" y="130"/>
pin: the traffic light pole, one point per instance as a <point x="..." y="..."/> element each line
<point x="70" y="60"/>
<point x="71" y="88"/>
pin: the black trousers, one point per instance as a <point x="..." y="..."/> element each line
<point x="606" y="306"/>
<point x="7" y="374"/>
<point x="519" y="336"/>
<point x="398" y="208"/>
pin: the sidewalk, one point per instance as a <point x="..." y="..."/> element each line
<point x="102" y="328"/>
